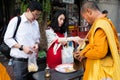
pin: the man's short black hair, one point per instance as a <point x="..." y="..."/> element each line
<point x="34" y="5"/>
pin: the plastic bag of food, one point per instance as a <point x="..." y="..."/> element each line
<point x="32" y="62"/>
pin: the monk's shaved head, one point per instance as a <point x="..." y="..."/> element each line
<point x="89" y="5"/>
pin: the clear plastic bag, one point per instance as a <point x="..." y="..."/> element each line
<point x="32" y="63"/>
<point x="67" y="54"/>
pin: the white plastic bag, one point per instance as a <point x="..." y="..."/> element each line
<point x="67" y="54"/>
<point x="32" y="63"/>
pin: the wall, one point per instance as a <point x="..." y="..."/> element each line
<point x="113" y="8"/>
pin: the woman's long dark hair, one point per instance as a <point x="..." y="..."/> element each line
<point x="54" y="22"/>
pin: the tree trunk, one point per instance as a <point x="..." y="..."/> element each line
<point x="43" y="26"/>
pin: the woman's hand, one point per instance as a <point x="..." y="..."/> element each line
<point x="63" y="41"/>
<point x="77" y="39"/>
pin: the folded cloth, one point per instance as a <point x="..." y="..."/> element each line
<point x="3" y="73"/>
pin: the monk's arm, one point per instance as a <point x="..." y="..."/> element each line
<point x="99" y="48"/>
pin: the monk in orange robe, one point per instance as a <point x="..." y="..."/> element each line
<point x="103" y="41"/>
<point x="3" y="73"/>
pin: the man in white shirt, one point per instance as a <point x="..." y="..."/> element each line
<point x="26" y="39"/>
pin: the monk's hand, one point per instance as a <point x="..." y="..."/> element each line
<point x="76" y="55"/>
<point x="81" y="58"/>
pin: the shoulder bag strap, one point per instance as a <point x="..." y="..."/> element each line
<point x="18" y="23"/>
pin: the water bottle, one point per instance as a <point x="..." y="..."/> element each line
<point x="47" y="73"/>
<point x="10" y="62"/>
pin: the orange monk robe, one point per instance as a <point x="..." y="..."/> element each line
<point x="3" y="73"/>
<point x="97" y="50"/>
<point x="97" y="47"/>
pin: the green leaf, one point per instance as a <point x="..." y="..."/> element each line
<point x="41" y="54"/>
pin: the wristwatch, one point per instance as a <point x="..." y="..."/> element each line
<point x="21" y="47"/>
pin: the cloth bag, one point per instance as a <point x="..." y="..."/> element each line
<point x="67" y="54"/>
<point x="4" y="48"/>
